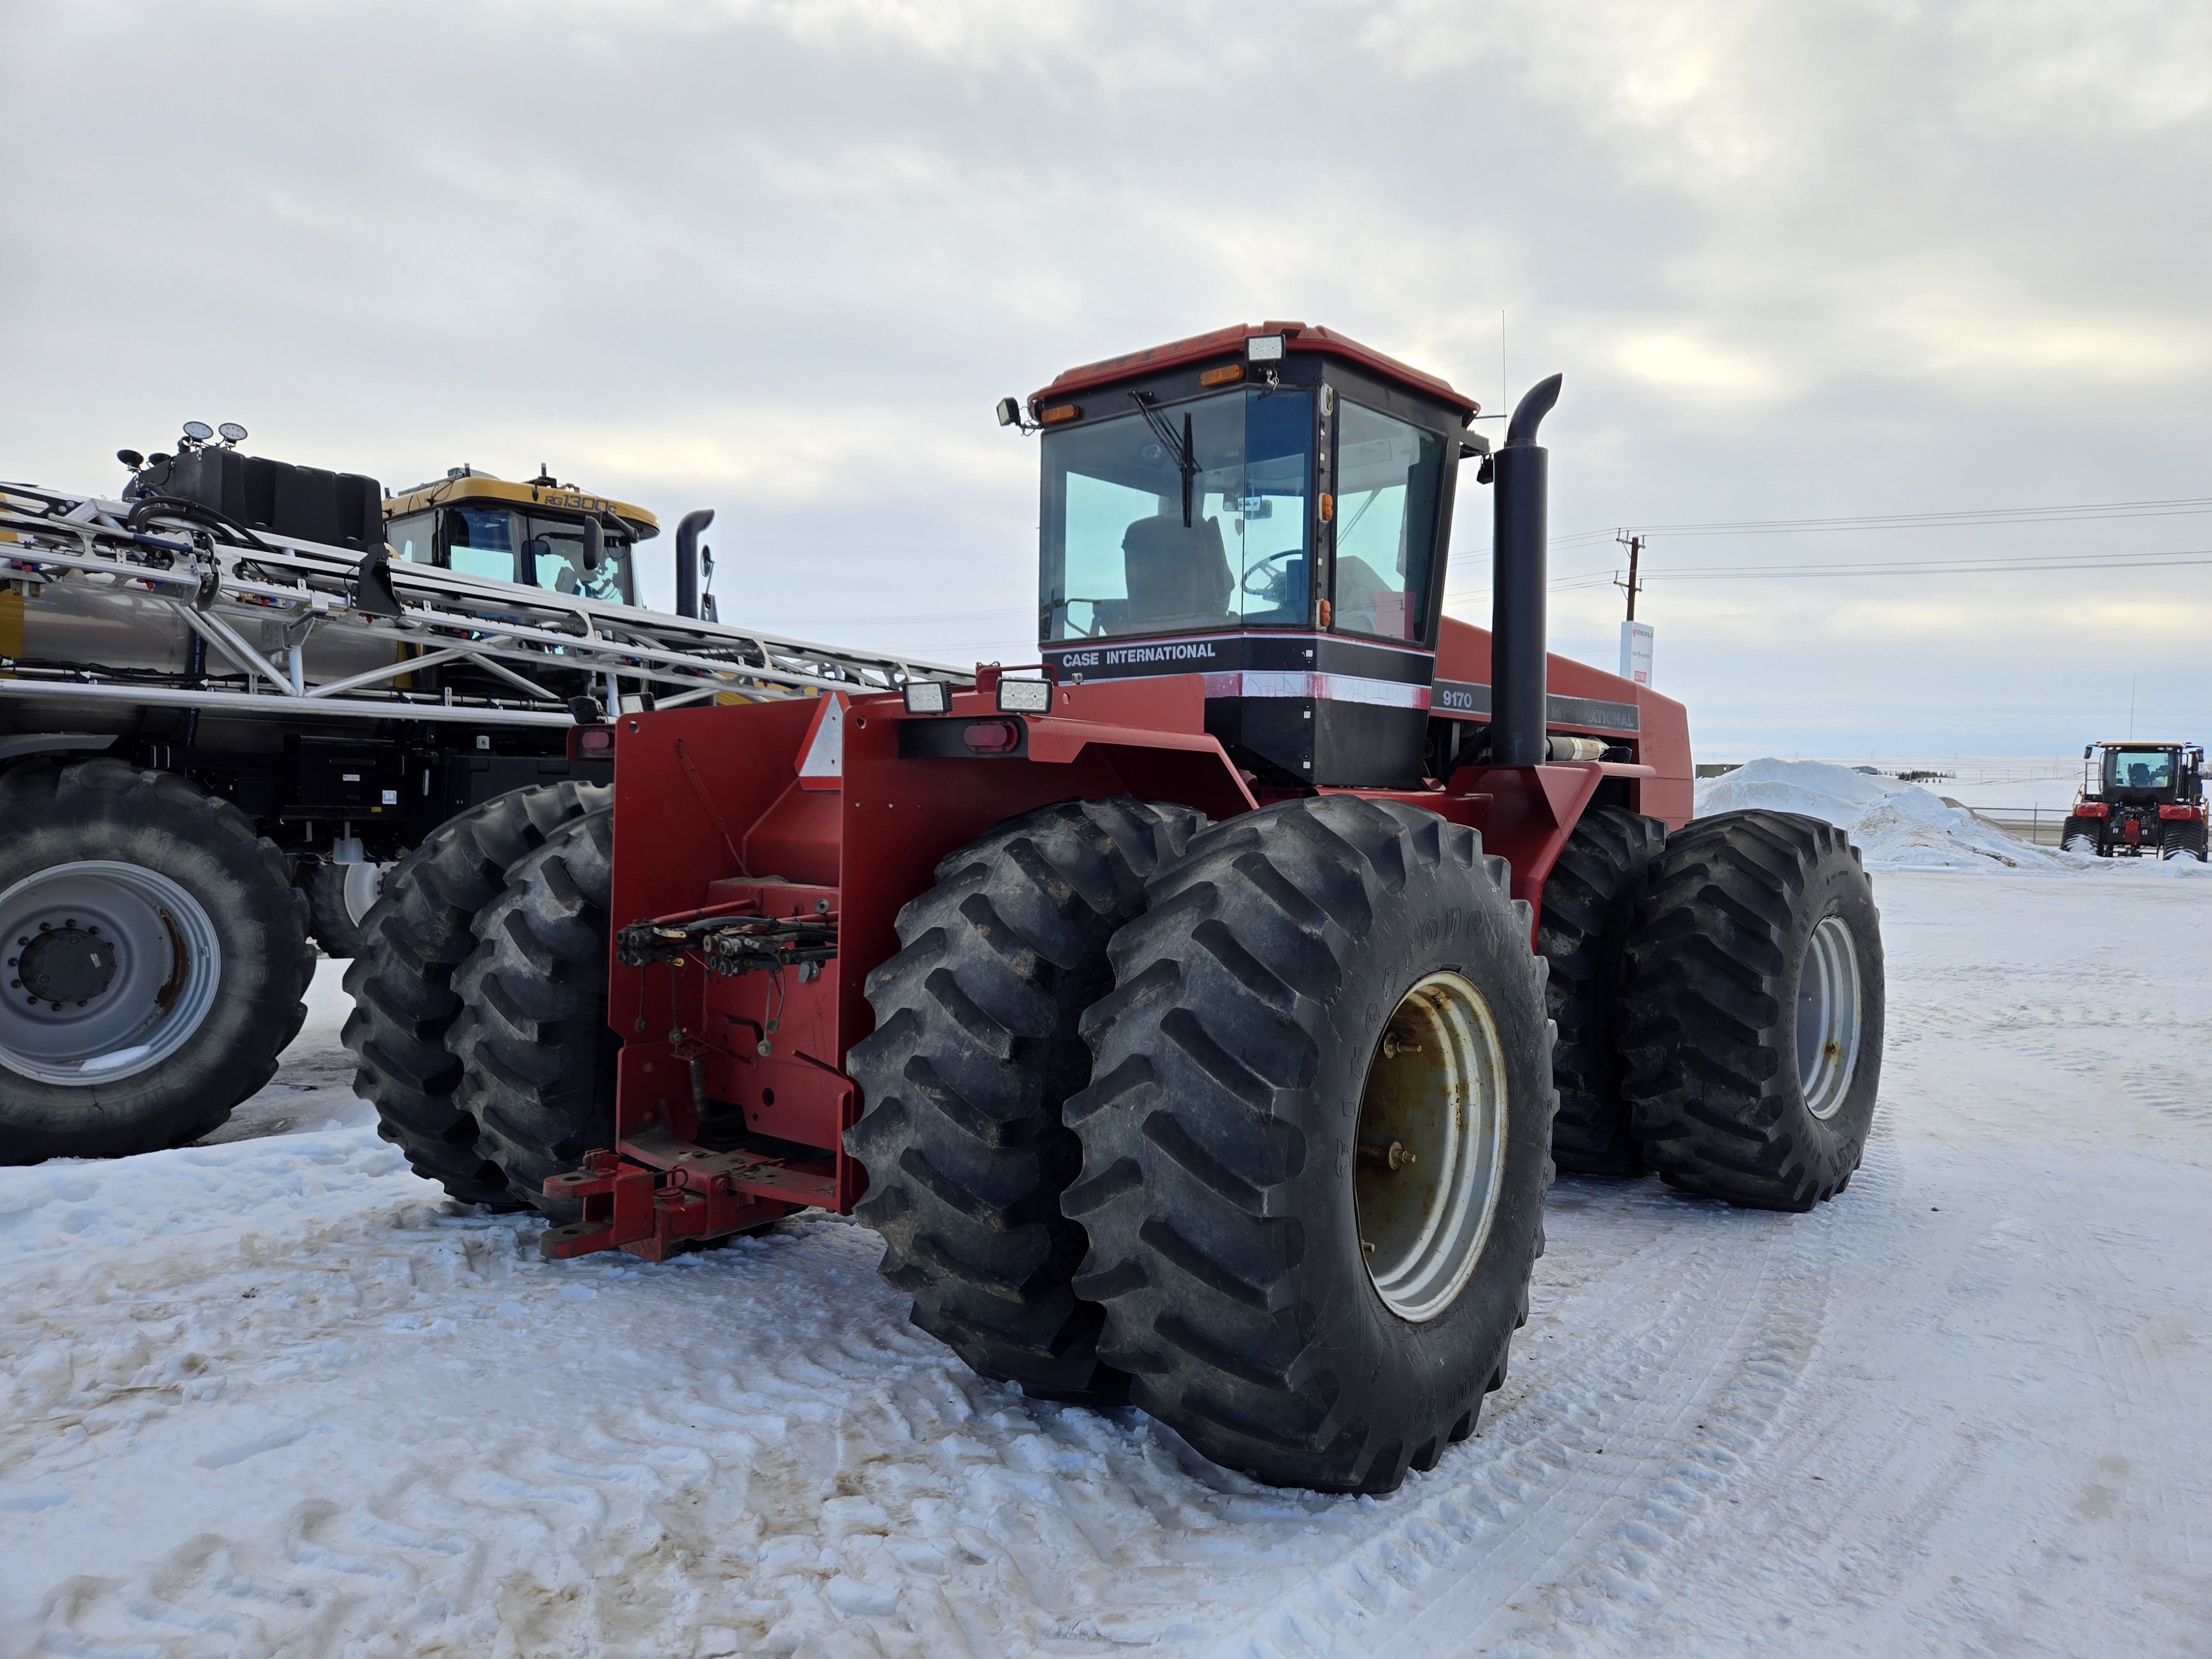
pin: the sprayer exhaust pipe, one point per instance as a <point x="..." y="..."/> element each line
<point x="1517" y="689"/>
<point x="687" y="560"/>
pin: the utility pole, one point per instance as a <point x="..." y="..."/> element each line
<point x="1635" y="545"/>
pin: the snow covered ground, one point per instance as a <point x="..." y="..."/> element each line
<point x="273" y="1395"/>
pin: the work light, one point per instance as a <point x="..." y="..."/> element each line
<point x="1025" y="696"/>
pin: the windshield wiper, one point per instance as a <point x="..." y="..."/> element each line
<point x="1185" y="462"/>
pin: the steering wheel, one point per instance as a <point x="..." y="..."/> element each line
<point x="1273" y="589"/>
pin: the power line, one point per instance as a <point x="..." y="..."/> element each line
<point x="2179" y="559"/>
<point x="2067" y="512"/>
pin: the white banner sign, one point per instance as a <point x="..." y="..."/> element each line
<point x="1635" y="651"/>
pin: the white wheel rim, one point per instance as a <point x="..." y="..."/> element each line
<point x="359" y="889"/>
<point x="140" y="947"/>
<point x="1436" y="1093"/>
<point x="1828" y="1010"/>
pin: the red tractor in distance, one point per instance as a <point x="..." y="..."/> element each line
<point x="2138" y="799"/>
<point x="1198" y="1016"/>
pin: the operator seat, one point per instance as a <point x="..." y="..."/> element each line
<point x="1176" y="575"/>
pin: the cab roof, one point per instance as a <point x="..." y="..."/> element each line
<point x="1229" y="342"/>
<point x="465" y="485"/>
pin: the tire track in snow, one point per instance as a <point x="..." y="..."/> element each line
<point x="1619" y="1442"/>
<point x="810" y="1466"/>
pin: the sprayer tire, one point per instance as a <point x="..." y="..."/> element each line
<point x="537" y="1058"/>
<point x="975" y="1051"/>
<point x="1231" y="1064"/>
<point x="331" y="916"/>
<point x="401" y="979"/>
<point x="1589" y="904"/>
<point x="168" y="864"/>
<point x="1722" y="953"/>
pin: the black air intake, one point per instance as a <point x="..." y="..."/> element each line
<point x="1516" y="600"/>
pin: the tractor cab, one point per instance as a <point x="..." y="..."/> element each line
<point x="1268" y="506"/>
<point x="2147" y="774"/>
<point x="531" y="533"/>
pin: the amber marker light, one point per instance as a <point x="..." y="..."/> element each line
<point x="1327" y="509"/>
<point x="1057" y="413"/>
<point x="1227" y="375"/>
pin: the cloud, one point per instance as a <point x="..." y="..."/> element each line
<point x="1836" y="257"/>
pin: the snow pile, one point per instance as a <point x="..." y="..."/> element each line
<point x="1896" y="826"/>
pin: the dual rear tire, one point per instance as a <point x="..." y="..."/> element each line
<point x="1316" y="1117"/>
<point x="421" y="1002"/>
<point x="1286" y="1194"/>
<point x="1752" y="1011"/>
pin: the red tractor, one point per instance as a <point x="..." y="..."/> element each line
<point x="2138" y="799"/>
<point x="1198" y="1014"/>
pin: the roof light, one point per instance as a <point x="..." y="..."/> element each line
<point x="231" y="433"/>
<point x="927" y="697"/>
<point x="1264" y="348"/>
<point x="1058" y="413"/>
<point x="1025" y="696"/>
<point x="1224" y="375"/>
<point x="199" y="431"/>
<point x="1010" y="411"/>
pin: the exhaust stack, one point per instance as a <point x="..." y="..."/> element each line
<point x="687" y="560"/>
<point x="1517" y="691"/>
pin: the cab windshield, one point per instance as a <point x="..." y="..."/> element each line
<point x="2139" y="768"/>
<point x="1123" y="556"/>
<point x="537" y="551"/>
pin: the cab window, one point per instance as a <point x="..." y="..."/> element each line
<point x="2139" y="768"/>
<point x="1121" y="553"/>
<point x="556" y="550"/>
<point x="409" y="537"/>
<point x="1389" y="475"/>
<point x="481" y="541"/>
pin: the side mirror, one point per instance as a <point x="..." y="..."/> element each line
<point x="595" y="542"/>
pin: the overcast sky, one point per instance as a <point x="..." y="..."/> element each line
<point x="1798" y="260"/>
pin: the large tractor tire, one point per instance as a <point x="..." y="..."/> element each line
<point x="1753" y="999"/>
<point x="2184" y="840"/>
<point x="156" y="954"/>
<point x="975" y="1052"/>
<point x="2080" y="836"/>
<point x="1589" y="903"/>
<point x="537" y="1059"/>
<point x="1317" y="1141"/>
<point x="401" y="979"/>
<point x="339" y="898"/>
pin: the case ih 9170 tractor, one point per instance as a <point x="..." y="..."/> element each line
<point x="2143" y="798"/>
<point x="1197" y="1016"/>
